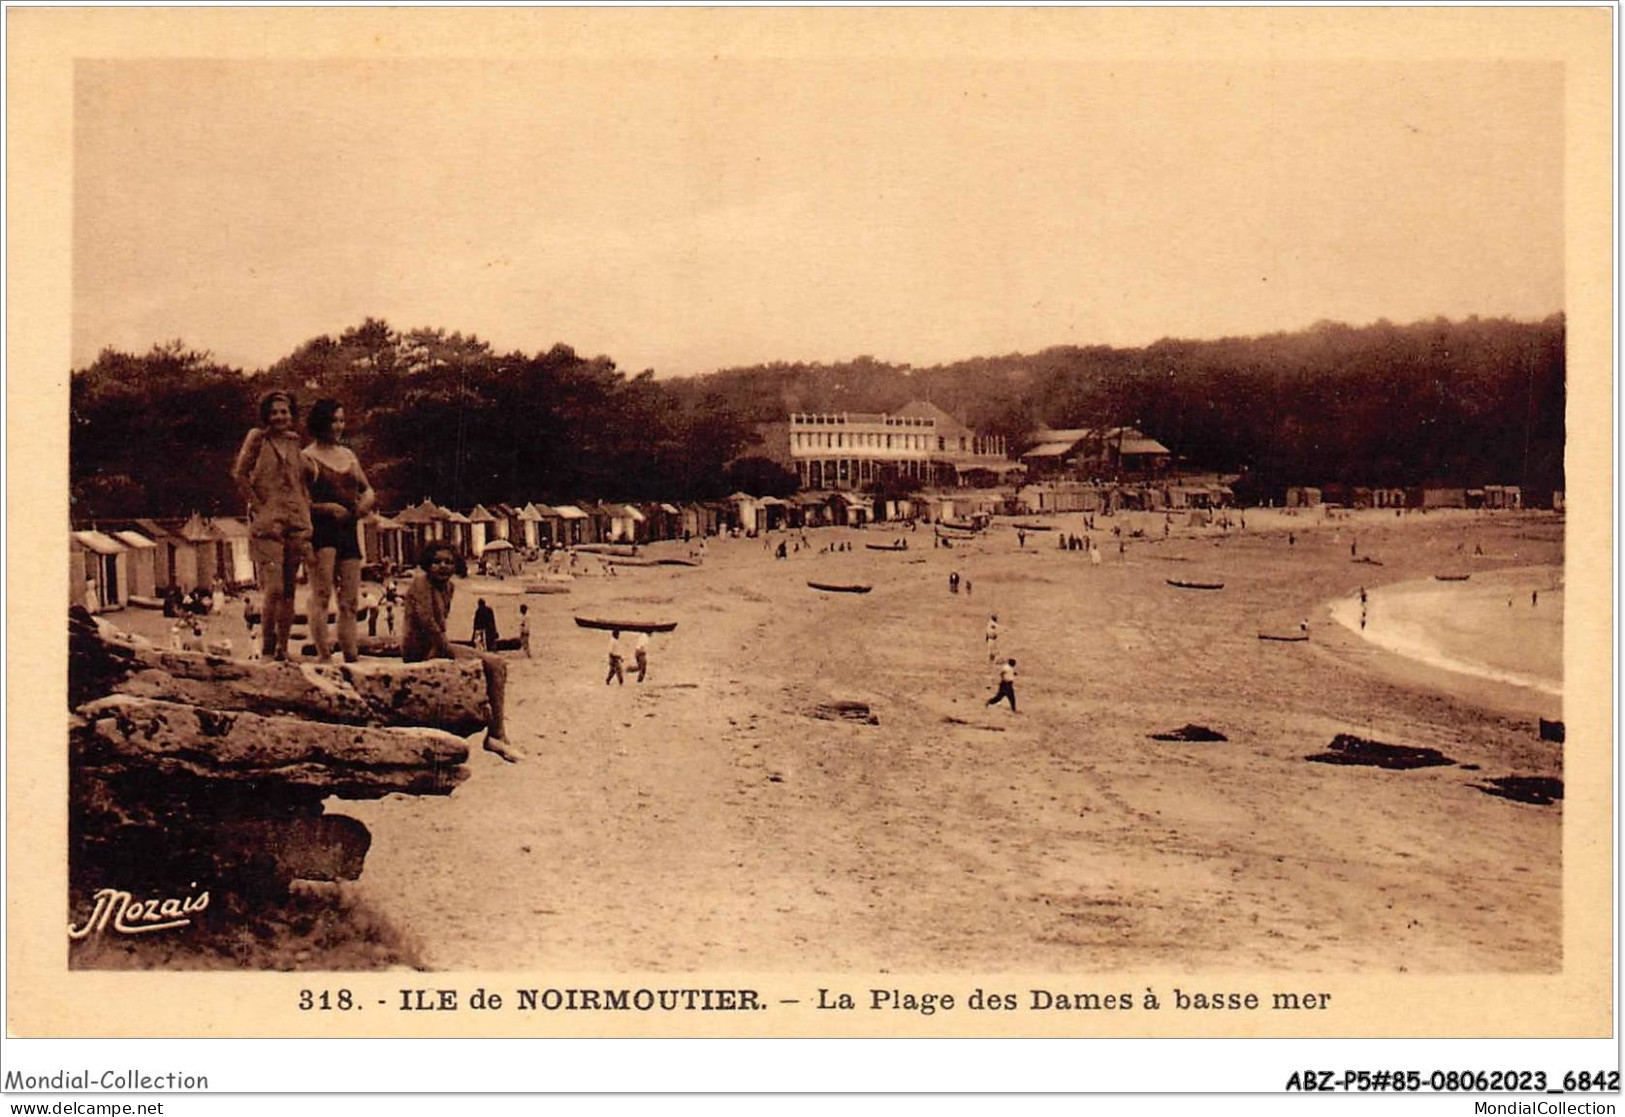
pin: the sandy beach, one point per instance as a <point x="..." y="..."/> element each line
<point x="707" y="819"/>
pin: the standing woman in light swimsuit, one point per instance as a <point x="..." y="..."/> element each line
<point x="273" y="476"/>
<point x="339" y="497"/>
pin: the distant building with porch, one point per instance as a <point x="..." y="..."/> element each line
<point x="851" y="449"/>
<point x="1113" y="453"/>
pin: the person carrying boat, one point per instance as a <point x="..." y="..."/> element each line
<point x="424" y="637"/>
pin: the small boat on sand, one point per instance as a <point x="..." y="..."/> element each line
<point x="546" y="587"/>
<point x="1285" y="637"/>
<point x="1187" y="584"/>
<point x="1452" y="577"/>
<point x="838" y="587"/>
<point x="677" y="562"/>
<point x="625" y="550"/>
<point x="1033" y="527"/>
<point x="504" y="644"/>
<point x="625" y="626"/>
<point x="885" y="547"/>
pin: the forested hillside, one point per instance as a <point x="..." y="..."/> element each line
<point x="441" y="414"/>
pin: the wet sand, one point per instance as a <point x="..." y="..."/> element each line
<point x="1505" y="626"/>
<point x="706" y="820"/>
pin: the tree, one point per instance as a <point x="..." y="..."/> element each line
<point x="760" y="477"/>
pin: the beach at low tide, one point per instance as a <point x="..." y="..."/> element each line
<point x="711" y="819"/>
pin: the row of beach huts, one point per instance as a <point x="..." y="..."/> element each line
<point x="113" y="563"/>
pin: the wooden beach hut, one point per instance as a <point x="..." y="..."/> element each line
<point x="744" y="509"/>
<point x="100" y="568"/>
<point x="575" y="526"/>
<point x="383" y="540"/>
<point x="205" y="542"/>
<point x="850" y="510"/>
<point x="236" y="554"/>
<point x="142" y="559"/>
<point x="625" y="524"/>
<point x="175" y="563"/>
<point x="529" y="523"/>
<point x="772" y="513"/>
<point x="480" y="524"/>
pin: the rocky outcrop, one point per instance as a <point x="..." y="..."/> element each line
<point x="445" y="693"/>
<point x="350" y="761"/>
<point x="192" y="769"/>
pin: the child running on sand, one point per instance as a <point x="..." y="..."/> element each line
<point x="1007" y="685"/>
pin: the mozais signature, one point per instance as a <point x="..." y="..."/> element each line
<point x="130" y="916"/>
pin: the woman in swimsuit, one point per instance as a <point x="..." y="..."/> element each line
<point x="339" y="497"/>
<point x="274" y="477"/>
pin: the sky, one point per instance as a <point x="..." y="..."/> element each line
<point x="687" y="215"/>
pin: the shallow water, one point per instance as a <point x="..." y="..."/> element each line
<point x="1489" y="626"/>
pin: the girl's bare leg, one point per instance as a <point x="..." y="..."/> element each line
<point x="321" y="595"/>
<point x="349" y="591"/>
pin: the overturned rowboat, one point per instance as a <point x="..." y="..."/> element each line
<point x="838" y="587"/>
<point x="1187" y="584"/>
<point x="1452" y="577"/>
<point x="625" y="626"/>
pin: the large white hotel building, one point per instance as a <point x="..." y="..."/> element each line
<point x="850" y="449"/>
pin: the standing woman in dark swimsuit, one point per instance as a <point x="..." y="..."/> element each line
<point x="339" y="497"/>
